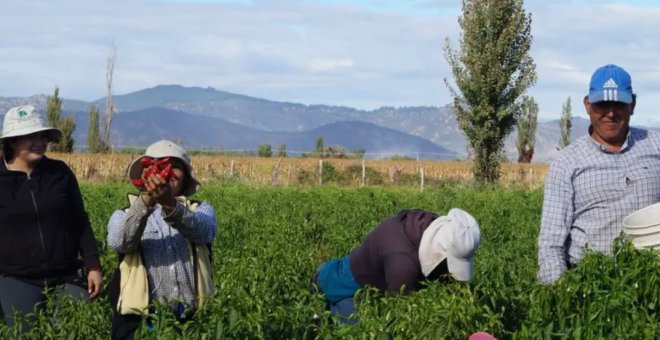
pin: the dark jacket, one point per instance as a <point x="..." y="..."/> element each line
<point x="388" y="258"/>
<point x="43" y="224"/>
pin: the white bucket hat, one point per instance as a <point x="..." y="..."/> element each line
<point x="643" y="227"/>
<point x="162" y="149"/>
<point x="454" y="237"/>
<point x="25" y="120"/>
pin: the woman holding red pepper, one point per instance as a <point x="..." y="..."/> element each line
<point x="44" y="229"/>
<point x="163" y="240"/>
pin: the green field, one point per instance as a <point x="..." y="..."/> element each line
<point x="270" y="240"/>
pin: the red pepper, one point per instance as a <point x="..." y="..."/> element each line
<point x="167" y="172"/>
<point x="162" y="167"/>
<point x="147" y="161"/>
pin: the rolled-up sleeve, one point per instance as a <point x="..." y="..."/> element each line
<point x="197" y="226"/>
<point x="556" y="221"/>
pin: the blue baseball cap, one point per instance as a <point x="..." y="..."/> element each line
<point x="610" y="83"/>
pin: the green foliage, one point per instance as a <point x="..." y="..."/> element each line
<point x="402" y="158"/>
<point x="565" y="124"/>
<point x="318" y="149"/>
<point x="265" y="150"/>
<point x="330" y="175"/>
<point x="605" y="297"/>
<point x="67" y="124"/>
<point x="271" y="240"/>
<point x="335" y="151"/>
<point x="358" y="153"/>
<point x="491" y="70"/>
<point x="94" y="143"/>
<point x="527" y="129"/>
<point x="352" y="175"/>
<point x="281" y="150"/>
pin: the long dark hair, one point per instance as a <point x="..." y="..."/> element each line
<point x="6" y="152"/>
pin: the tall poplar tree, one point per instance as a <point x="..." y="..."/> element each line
<point x="492" y="68"/>
<point x="67" y="124"/>
<point x="527" y="129"/>
<point x="565" y="124"/>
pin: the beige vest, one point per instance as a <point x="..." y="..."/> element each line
<point x="134" y="285"/>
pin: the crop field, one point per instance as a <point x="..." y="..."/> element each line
<point x="270" y="240"/>
<point x="305" y="171"/>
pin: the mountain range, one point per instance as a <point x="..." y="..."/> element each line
<point x="210" y="118"/>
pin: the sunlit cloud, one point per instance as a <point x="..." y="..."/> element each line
<point x="358" y="53"/>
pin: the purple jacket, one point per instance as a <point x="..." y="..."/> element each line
<point x="388" y="258"/>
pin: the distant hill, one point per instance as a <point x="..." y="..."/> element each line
<point x="213" y="118"/>
<point x="258" y="113"/>
<point x="142" y="127"/>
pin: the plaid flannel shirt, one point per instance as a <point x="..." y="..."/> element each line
<point x="589" y="191"/>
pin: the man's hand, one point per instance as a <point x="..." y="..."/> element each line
<point x="94" y="283"/>
<point x="160" y="191"/>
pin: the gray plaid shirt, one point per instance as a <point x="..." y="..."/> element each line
<point x="589" y="191"/>
<point x="164" y="240"/>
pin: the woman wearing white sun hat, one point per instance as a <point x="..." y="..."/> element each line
<point x="163" y="240"/>
<point x="43" y="224"/>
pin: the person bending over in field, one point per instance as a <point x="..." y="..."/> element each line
<point x="163" y="240"/>
<point x="402" y="252"/>
<point x="44" y="229"/>
<point x="599" y="179"/>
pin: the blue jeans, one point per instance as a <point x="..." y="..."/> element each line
<point x="338" y="285"/>
<point x="343" y="309"/>
<point x="18" y="296"/>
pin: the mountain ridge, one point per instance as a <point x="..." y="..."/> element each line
<point x="270" y="120"/>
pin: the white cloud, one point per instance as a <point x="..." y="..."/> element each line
<point x="330" y="64"/>
<point x="315" y="52"/>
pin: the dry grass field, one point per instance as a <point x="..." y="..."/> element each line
<point x="305" y="171"/>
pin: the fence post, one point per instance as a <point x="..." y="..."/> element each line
<point x="273" y="177"/>
<point x="288" y="176"/>
<point x="320" y="172"/>
<point x="364" y="173"/>
<point x="421" y="179"/>
<point x="231" y="168"/>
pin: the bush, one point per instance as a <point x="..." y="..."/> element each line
<point x="604" y="297"/>
<point x="352" y="175"/>
<point x="311" y="177"/>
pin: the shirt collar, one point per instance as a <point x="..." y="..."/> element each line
<point x="627" y="143"/>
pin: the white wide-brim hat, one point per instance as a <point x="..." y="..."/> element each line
<point x="454" y="237"/>
<point x="643" y="227"/>
<point x="25" y="120"/>
<point x="162" y="149"/>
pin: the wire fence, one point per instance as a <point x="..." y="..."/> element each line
<point x="287" y="171"/>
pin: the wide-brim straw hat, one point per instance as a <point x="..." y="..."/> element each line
<point x="25" y="120"/>
<point x="162" y="149"/>
<point x="643" y="227"/>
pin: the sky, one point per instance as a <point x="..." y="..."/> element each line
<point x="357" y="53"/>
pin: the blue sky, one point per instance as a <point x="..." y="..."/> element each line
<point x="359" y="53"/>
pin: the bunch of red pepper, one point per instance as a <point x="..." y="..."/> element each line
<point x="161" y="166"/>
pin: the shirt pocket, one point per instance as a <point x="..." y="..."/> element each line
<point x="647" y="184"/>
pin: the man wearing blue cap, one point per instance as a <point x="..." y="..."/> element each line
<point x="599" y="179"/>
